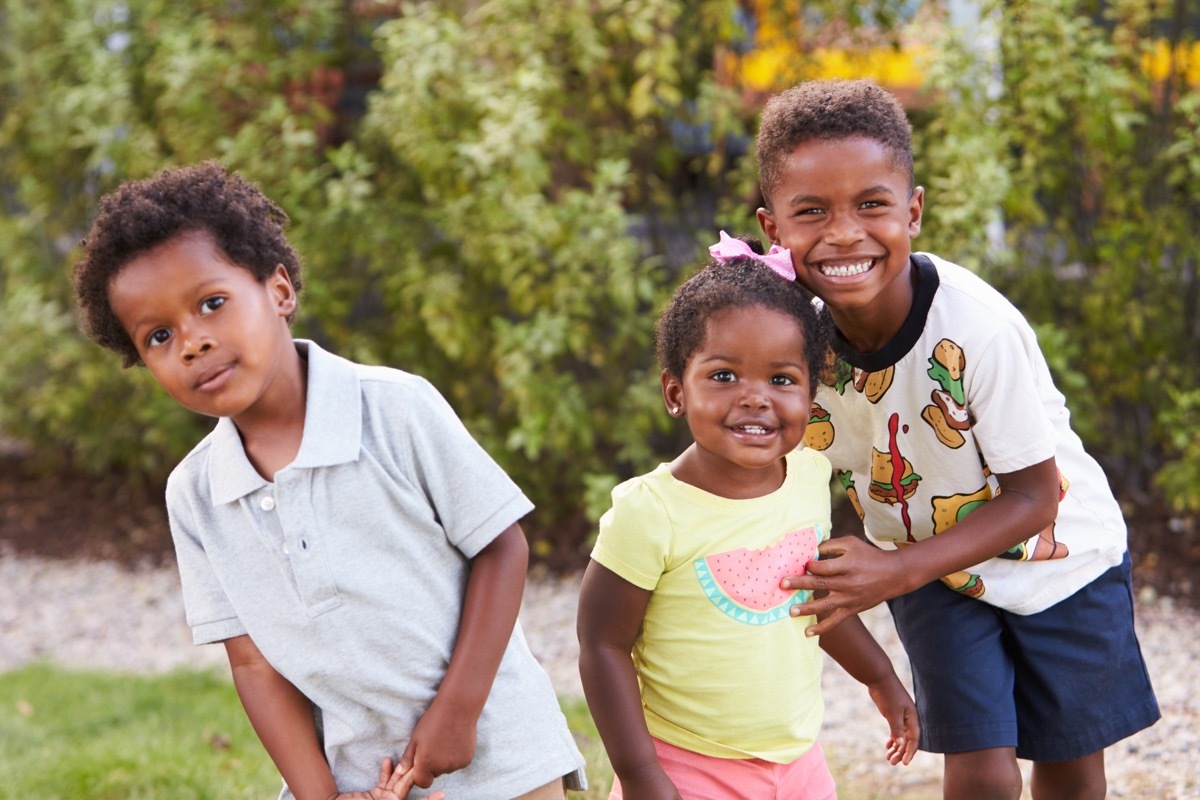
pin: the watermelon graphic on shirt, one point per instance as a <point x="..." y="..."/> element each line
<point x="744" y="584"/>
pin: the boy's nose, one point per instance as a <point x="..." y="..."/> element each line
<point x="195" y="345"/>
<point x="843" y="230"/>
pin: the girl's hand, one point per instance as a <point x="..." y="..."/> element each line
<point x="393" y="785"/>
<point x="648" y="783"/>
<point x="897" y="707"/>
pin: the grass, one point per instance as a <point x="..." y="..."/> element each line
<point x="67" y="735"/>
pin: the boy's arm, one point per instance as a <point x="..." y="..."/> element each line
<point x="856" y="576"/>
<point x="611" y="611"/>
<point x="856" y="651"/>
<point x="283" y="719"/>
<point x="444" y="739"/>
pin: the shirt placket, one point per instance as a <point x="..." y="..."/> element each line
<point x="290" y="516"/>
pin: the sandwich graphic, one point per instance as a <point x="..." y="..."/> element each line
<point x="886" y="485"/>
<point x="947" y="415"/>
<point x="819" y="433"/>
<point x="874" y="384"/>
<point x="836" y="373"/>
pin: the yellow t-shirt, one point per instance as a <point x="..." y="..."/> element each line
<point x="724" y="670"/>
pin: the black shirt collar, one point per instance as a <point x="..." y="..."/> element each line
<point x="925" y="276"/>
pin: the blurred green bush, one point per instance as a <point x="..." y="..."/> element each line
<point x="500" y="195"/>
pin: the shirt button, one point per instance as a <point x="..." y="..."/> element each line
<point x="285" y="549"/>
<point x="267" y="503"/>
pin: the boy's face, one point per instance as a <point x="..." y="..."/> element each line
<point x="745" y="395"/>
<point x="213" y="336"/>
<point x="845" y="211"/>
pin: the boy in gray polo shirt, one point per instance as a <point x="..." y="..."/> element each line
<point x="356" y="551"/>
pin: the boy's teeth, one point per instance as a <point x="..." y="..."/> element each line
<point x="846" y="270"/>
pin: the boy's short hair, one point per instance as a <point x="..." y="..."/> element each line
<point x="245" y="225"/>
<point x="737" y="283"/>
<point x="830" y="109"/>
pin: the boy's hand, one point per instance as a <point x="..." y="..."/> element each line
<point x="854" y="575"/>
<point x="442" y="742"/>
<point x="393" y="785"/>
<point x="897" y="707"/>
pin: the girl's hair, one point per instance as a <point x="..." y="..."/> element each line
<point x="736" y="283"/>
<point x="245" y="225"/>
<point x="830" y="109"/>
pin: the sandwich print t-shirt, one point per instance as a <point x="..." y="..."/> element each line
<point x="917" y="430"/>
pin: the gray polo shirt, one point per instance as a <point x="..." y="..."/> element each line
<point x="349" y="572"/>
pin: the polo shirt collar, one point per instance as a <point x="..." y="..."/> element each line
<point x="332" y="428"/>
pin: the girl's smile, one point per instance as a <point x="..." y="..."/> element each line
<point x="745" y="395"/>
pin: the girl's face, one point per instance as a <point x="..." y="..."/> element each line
<point x="745" y="395"/>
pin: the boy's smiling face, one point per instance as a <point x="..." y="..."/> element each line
<point x="214" y="337"/>
<point x="846" y="212"/>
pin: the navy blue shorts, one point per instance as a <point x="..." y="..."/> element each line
<point x="1057" y="685"/>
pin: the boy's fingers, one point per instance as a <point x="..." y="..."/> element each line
<point x="834" y="618"/>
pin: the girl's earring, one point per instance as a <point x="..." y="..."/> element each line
<point x="675" y="411"/>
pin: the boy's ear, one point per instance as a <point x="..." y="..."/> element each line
<point x="672" y="392"/>
<point x="916" y="206"/>
<point x="767" y="223"/>
<point x="284" y="294"/>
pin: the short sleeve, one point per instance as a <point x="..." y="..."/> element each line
<point x="1005" y="401"/>
<point x="471" y="495"/>
<point x="209" y="612"/>
<point x="634" y="536"/>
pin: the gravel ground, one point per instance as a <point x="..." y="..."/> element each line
<point x="97" y="615"/>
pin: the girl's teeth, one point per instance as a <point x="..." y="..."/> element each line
<point x="847" y="270"/>
<point x="755" y="429"/>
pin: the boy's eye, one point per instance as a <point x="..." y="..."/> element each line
<point x="724" y="376"/>
<point x="211" y="304"/>
<point x="158" y="337"/>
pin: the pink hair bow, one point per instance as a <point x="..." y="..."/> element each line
<point x="779" y="259"/>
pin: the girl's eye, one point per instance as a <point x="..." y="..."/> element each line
<point x="782" y="380"/>
<point x="211" y="304"/>
<point x="724" y="376"/>
<point x="158" y="337"/>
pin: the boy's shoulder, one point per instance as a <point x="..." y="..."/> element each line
<point x="959" y="287"/>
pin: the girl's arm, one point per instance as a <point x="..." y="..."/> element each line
<point x="856" y="651"/>
<point x="610" y="615"/>
<point x="444" y="739"/>
<point x="856" y="576"/>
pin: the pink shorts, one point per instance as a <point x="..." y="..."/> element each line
<point x="699" y="777"/>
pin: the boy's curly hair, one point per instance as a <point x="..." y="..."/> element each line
<point x="246" y="226"/>
<point x="830" y="109"/>
<point x="737" y="283"/>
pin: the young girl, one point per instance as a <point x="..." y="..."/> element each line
<point x="722" y="695"/>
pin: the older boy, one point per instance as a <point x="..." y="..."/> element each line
<point x="355" y="550"/>
<point x="944" y="425"/>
